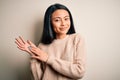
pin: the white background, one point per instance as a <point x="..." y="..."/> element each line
<point x="97" y="20"/>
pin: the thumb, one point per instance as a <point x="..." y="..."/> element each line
<point x="29" y="42"/>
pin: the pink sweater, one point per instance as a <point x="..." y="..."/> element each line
<point x="66" y="60"/>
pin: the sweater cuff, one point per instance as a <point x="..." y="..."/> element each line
<point x="50" y="60"/>
<point x="33" y="61"/>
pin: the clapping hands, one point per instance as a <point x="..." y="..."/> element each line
<point x="31" y="48"/>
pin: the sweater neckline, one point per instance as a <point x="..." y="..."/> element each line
<point x="63" y="39"/>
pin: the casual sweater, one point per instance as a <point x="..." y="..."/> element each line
<point x="66" y="60"/>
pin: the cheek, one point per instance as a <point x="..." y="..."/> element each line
<point x="56" y="29"/>
<point x="55" y="25"/>
<point x="68" y="26"/>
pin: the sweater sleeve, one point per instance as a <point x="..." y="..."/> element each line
<point x="74" y="69"/>
<point x="36" y="69"/>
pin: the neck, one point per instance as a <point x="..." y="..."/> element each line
<point x="61" y="36"/>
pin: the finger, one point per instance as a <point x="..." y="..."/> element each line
<point x="19" y="41"/>
<point x="16" y="40"/>
<point x="22" y="39"/>
<point x="21" y="48"/>
<point x="35" y="57"/>
<point x="30" y="43"/>
<point x="33" y="50"/>
<point x="25" y="50"/>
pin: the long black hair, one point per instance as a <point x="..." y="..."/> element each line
<point x="49" y="34"/>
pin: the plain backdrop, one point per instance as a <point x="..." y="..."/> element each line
<point x="97" y="20"/>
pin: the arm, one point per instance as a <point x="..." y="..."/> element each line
<point x="36" y="69"/>
<point x="74" y="69"/>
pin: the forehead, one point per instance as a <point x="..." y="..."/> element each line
<point x="60" y="13"/>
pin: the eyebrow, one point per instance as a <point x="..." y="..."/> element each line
<point x="59" y="17"/>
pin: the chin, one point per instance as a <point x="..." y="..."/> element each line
<point x="64" y="32"/>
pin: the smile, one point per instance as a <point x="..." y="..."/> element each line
<point x="63" y="28"/>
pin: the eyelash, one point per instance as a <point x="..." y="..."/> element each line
<point x="57" y="20"/>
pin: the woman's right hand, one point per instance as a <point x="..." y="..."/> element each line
<point x="24" y="45"/>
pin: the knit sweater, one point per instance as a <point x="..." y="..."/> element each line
<point x="66" y="60"/>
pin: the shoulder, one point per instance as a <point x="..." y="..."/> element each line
<point x="77" y="38"/>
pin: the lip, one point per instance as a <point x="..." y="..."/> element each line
<point x="64" y="28"/>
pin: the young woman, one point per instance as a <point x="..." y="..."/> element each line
<point x="61" y="54"/>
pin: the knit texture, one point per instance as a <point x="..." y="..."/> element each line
<point x="66" y="59"/>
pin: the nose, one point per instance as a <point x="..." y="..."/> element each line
<point x="62" y="22"/>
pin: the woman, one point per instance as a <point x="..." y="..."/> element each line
<point x="61" y="54"/>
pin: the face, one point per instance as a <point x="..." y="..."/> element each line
<point x="61" y="21"/>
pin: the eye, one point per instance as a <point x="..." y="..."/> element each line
<point x="56" y="20"/>
<point x="66" y="19"/>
